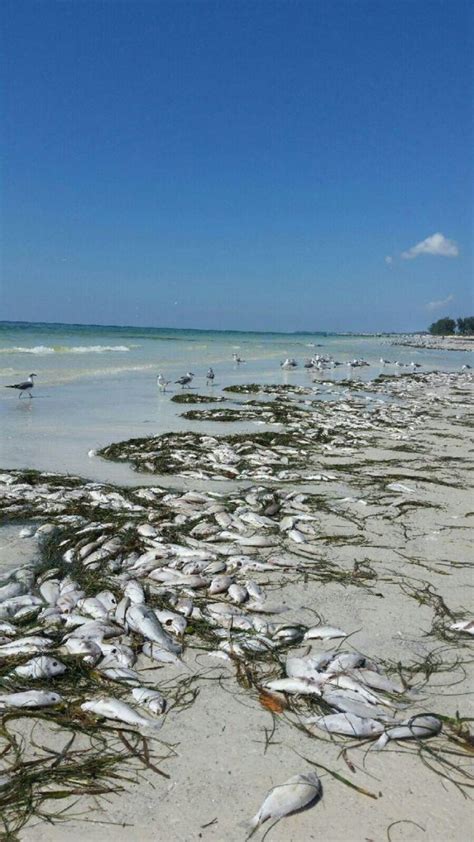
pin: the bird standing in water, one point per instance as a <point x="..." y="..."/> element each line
<point x="162" y="382"/>
<point x="185" y="380"/>
<point x="210" y="377"/>
<point x="24" y="387"/>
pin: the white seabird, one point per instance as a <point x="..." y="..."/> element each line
<point x="210" y="377"/>
<point x="185" y="380"/>
<point x="162" y="382"/>
<point x="26" y="386"/>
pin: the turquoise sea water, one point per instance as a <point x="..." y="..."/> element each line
<point x="97" y="384"/>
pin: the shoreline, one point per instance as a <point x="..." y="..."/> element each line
<point x="379" y="549"/>
<point x="437" y="343"/>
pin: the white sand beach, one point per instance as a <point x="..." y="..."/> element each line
<point x="381" y="550"/>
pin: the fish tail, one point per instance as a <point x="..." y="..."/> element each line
<point x="151" y="729"/>
<point x="381" y="742"/>
<point x="250" y="826"/>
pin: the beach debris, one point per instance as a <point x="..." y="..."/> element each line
<point x="466" y="626"/>
<point x="416" y="728"/>
<point x="324" y="633"/>
<point x="29" y="699"/>
<point x="111" y="708"/>
<point x="296" y="793"/>
<point x="348" y="724"/>
<point x="132" y="582"/>
<point x="41" y="667"/>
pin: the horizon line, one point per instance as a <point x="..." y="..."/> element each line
<point x="216" y="330"/>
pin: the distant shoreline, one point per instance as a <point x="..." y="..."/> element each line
<point x="11" y="323"/>
<point x="436" y="343"/>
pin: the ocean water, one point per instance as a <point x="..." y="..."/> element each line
<point x="97" y="384"/>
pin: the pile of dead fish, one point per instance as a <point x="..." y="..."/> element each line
<point x="207" y="579"/>
<point x="365" y="702"/>
<point x="294" y="455"/>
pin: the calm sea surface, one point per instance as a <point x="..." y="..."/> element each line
<point x="96" y="384"/>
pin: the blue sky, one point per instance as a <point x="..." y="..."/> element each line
<point x="258" y="165"/>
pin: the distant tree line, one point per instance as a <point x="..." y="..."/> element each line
<point x="449" y="327"/>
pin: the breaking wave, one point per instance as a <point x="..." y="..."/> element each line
<point x="65" y="349"/>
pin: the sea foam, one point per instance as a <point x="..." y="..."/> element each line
<point x="65" y="349"/>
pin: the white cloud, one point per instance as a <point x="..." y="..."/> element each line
<point x="389" y="260"/>
<point x="436" y="305"/>
<point x="437" y="244"/>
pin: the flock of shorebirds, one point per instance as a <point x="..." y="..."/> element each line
<point x="318" y="362"/>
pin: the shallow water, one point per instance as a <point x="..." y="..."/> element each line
<point x="96" y="385"/>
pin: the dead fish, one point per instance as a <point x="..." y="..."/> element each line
<point x="118" y="654"/>
<point x="288" y="634"/>
<point x="350" y="702"/>
<point x="121" y="611"/>
<point x="41" y="667"/>
<point x="324" y="633"/>
<point x="108" y="600"/>
<point x="146" y="530"/>
<point x="255" y="540"/>
<point x="117" y="673"/>
<point x="295" y="686"/>
<point x="152" y="699"/>
<point x="29" y="699"/>
<point x="254" y="590"/>
<point x="220" y="584"/>
<point x="308" y="667"/>
<point x="346" y="682"/>
<point x="375" y="680"/>
<point x="26" y="646"/>
<point x="466" y="626"/>
<point x="415" y="728"/>
<point x="157" y="653"/>
<point x="134" y="591"/>
<point x="111" y="708"/>
<point x="93" y="607"/>
<point x="89" y="650"/>
<point x="95" y="630"/>
<point x="343" y="661"/>
<point x="296" y="793"/>
<point x="184" y="606"/>
<point x="143" y="620"/>
<point x="10" y="590"/>
<point x="172" y="621"/>
<point x="347" y="724"/>
<point x="50" y="591"/>
<point x="238" y="593"/>
<point x="296" y="536"/>
<point x="399" y="486"/>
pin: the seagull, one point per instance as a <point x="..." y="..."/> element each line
<point x="385" y="362"/>
<point x="186" y="379"/>
<point x="26" y="386"/>
<point x="289" y="363"/>
<point x="237" y="359"/>
<point x="465" y="367"/>
<point x="162" y="383"/>
<point x="210" y="377"/>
